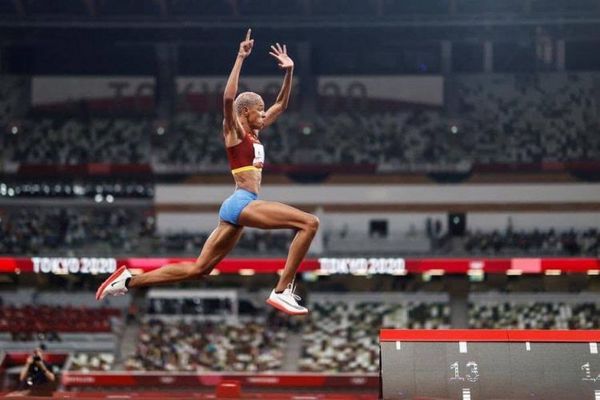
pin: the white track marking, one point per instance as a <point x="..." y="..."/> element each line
<point x="466" y="394"/>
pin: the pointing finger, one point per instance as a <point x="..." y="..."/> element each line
<point x="248" y="34"/>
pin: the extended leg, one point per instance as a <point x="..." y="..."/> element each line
<point x="273" y="215"/>
<point x="220" y="242"/>
<point x="217" y="246"/>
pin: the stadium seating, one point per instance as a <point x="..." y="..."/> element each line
<point x="500" y="118"/>
<point x="125" y="231"/>
<point x="89" y="362"/>
<point x="243" y="346"/>
<point x="548" y="242"/>
<point x="61" y="230"/>
<point x="341" y="335"/>
<point x="74" y="141"/>
<point x="25" y="322"/>
<point x="535" y="315"/>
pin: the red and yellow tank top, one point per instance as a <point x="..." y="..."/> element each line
<point x="248" y="155"/>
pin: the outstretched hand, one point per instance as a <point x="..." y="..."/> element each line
<point x="246" y="45"/>
<point x="280" y="53"/>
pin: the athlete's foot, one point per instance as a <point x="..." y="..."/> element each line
<point x="115" y="284"/>
<point x="287" y="302"/>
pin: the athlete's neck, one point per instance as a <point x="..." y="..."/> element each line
<point x="248" y="130"/>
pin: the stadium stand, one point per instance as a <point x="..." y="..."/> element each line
<point x="531" y="311"/>
<point x="547" y="242"/>
<point x="243" y="346"/>
<point x="88" y="362"/>
<point x="73" y="141"/>
<point x="501" y="118"/>
<point x="132" y="231"/>
<point x="340" y="334"/>
<point x="62" y="230"/>
<point x="27" y="321"/>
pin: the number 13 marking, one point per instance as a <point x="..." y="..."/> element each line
<point x="471" y="368"/>
<point x="587" y="370"/>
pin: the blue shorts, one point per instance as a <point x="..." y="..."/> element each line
<point x="232" y="207"/>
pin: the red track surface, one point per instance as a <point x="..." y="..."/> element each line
<point x="199" y="396"/>
<point x="488" y="335"/>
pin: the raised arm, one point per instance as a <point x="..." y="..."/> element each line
<point x="25" y="369"/>
<point x="286" y="63"/>
<point x="230" y="122"/>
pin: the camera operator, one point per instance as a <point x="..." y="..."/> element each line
<point x="36" y="377"/>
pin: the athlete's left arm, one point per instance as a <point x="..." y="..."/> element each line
<point x="285" y="62"/>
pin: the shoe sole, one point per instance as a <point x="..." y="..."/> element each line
<point x="108" y="282"/>
<point x="285" y="310"/>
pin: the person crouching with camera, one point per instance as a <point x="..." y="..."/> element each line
<point x="36" y="377"/>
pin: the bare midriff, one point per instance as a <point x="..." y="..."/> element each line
<point x="248" y="180"/>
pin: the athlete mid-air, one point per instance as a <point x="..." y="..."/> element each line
<point x="244" y="117"/>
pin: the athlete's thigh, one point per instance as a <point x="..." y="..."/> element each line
<point x="272" y="215"/>
<point x="222" y="240"/>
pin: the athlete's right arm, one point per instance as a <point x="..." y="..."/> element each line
<point x="230" y="119"/>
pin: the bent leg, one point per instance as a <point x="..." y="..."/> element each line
<point x="273" y="215"/>
<point x="220" y="242"/>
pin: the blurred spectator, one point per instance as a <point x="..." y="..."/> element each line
<point x="87" y="362"/>
<point x="534" y="315"/>
<point x="343" y="336"/>
<point x="208" y="346"/>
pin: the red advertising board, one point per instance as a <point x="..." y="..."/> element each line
<point x="275" y="380"/>
<point x="322" y="266"/>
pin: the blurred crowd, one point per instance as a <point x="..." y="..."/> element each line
<point x="90" y="362"/>
<point x="44" y="322"/>
<point x="530" y="118"/>
<point x="534" y="315"/>
<point x="65" y="230"/>
<point x="112" y="231"/>
<point x="73" y="141"/>
<point x="132" y="230"/>
<point x="342" y="336"/>
<point x="547" y="242"/>
<point x="249" y="346"/>
<point x="337" y="336"/>
<point x="500" y="118"/>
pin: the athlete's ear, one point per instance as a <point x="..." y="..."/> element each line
<point x="245" y="111"/>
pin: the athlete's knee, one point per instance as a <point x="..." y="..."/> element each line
<point x="311" y="224"/>
<point x="203" y="266"/>
<point x="198" y="270"/>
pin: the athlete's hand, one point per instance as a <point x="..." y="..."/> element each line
<point x="246" y="45"/>
<point x="280" y="53"/>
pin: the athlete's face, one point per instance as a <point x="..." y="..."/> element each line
<point x="255" y="115"/>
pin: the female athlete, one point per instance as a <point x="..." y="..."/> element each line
<point x="244" y="118"/>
